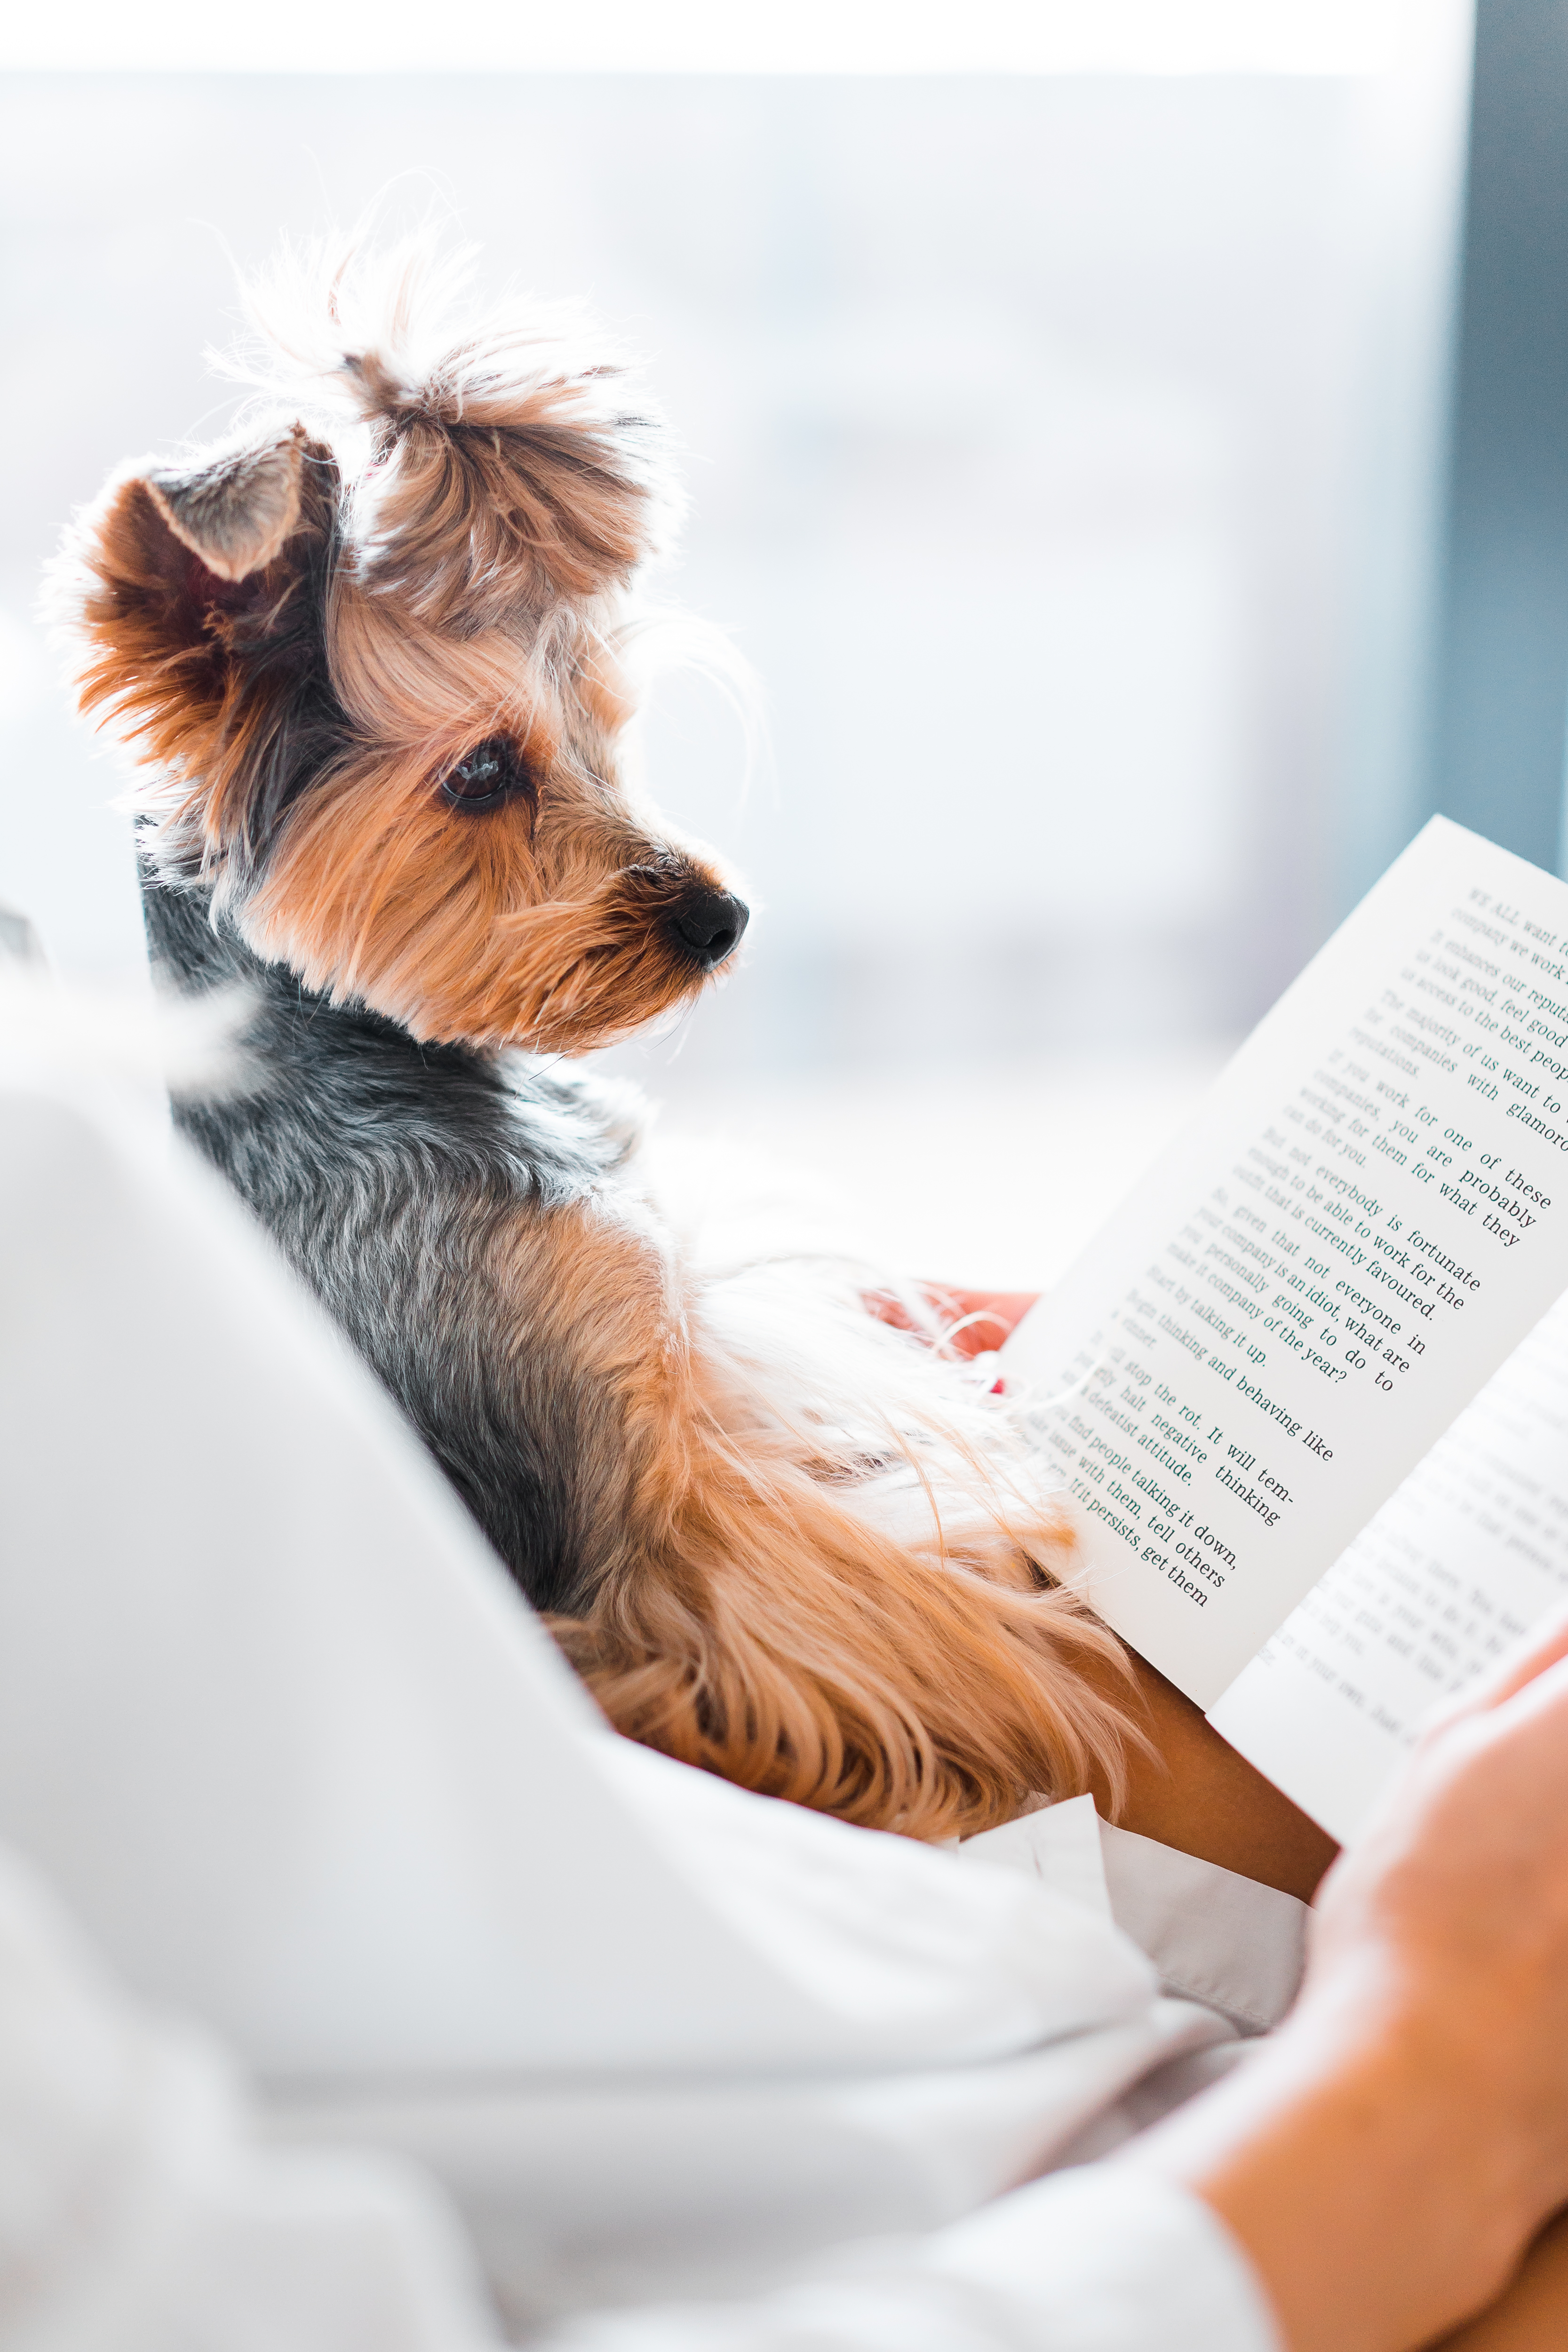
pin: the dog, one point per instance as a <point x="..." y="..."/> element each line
<point x="372" y="654"/>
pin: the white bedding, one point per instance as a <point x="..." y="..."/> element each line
<point x="281" y="1735"/>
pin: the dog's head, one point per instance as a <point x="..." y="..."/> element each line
<point x="372" y="662"/>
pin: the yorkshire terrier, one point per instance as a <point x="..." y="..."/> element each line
<point x="372" y="654"/>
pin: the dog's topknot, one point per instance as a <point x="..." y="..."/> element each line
<point x="499" y="465"/>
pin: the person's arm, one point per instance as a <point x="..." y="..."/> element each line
<point x="1386" y="2159"/>
<point x="1356" y="2160"/>
<point x="1532" y="2316"/>
<point x="1186" y="1787"/>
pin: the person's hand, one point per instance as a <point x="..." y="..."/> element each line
<point x="1386" y="2158"/>
<point x="970" y="1321"/>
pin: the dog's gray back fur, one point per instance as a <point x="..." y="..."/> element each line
<point x="395" y="1176"/>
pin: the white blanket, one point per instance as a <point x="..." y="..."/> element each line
<point x="285" y="1739"/>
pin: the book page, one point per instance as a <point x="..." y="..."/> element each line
<point x="1362" y="1219"/>
<point x="1469" y="1555"/>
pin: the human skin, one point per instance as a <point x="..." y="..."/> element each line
<point x="1185" y="1787"/>
<point x="1533" y="2315"/>
<point x="1387" y="2156"/>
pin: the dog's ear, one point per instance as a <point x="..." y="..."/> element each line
<point x="234" y="511"/>
<point x="194" y="595"/>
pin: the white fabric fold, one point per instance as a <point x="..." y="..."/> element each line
<point x="282" y="1734"/>
<point x="138" y="2214"/>
<point x="1107" y="2261"/>
<point x="629" y="2191"/>
<point x="1213" y="1937"/>
<point x="291" y="1746"/>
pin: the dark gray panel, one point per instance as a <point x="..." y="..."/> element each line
<point x="1501" y="703"/>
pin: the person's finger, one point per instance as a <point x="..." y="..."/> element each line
<point x="972" y="1321"/>
<point x="982" y="1318"/>
<point x="1541" y="1648"/>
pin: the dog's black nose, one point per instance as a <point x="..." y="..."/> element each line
<point x="708" y="925"/>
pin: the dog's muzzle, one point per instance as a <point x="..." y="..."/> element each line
<point x="708" y="925"/>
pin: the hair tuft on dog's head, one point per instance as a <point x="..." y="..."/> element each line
<point x="508" y="461"/>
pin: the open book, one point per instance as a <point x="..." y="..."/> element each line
<point x="1309" y="1387"/>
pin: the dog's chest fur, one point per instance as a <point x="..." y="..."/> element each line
<point x="402" y="1181"/>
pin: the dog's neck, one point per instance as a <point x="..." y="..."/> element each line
<point x="194" y="955"/>
<point x="187" y="950"/>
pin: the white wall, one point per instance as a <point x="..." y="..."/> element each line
<point x="1063" y="455"/>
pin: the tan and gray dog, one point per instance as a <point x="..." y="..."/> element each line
<point x="371" y="655"/>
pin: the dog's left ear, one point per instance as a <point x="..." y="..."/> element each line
<point x="234" y="511"/>
<point x="195" y="595"/>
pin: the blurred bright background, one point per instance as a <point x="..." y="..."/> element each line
<point x="1064" y="396"/>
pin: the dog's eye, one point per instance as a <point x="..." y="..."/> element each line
<point x="493" y="772"/>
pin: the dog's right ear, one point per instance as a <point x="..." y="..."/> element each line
<point x="193" y="596"/>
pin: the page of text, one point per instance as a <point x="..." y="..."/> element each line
<point x="1469" y="1555"/>
<point x="1364" y="1218"/>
